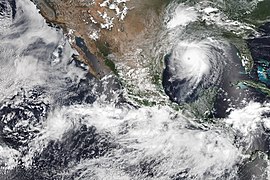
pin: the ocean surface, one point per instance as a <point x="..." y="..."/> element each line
<point x="59" y="122"/>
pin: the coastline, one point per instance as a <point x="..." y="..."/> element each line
<point x="76" y="20"/>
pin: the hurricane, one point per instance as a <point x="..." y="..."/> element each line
<point x="193" y="67"/>
<point x="191" y="107"/>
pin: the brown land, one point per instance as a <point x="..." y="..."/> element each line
<point x="76" y="15"/>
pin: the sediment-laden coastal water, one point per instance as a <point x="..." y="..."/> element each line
<point x="206" y="115"/>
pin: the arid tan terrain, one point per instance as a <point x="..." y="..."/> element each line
<point x="105" y="26"/>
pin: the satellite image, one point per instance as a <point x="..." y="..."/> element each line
<point x="134" y="89"/>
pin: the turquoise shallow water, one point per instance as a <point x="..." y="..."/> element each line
<point x="58" y="122"/>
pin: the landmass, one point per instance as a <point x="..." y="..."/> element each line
<point x="98" y="29"/>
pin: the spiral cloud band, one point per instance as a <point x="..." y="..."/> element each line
<point x="191" y="68"/>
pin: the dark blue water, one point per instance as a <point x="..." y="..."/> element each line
<point x="30" y="106"/>
<point x="23" y="112"/>
<point x="229" y="94"/>
<point x="259" y="46"/>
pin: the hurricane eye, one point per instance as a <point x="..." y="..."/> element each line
<point x="194" y="63"/>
